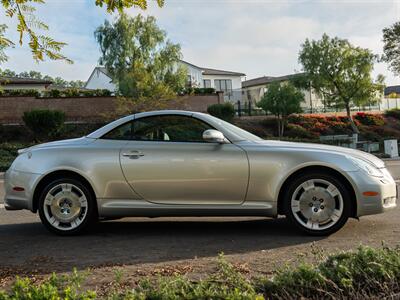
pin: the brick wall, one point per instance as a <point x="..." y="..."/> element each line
<point x="91" y="109"/>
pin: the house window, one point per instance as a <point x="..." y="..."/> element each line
<point x="189" y="81"/>
<point x="207" y="83"/>
<point x="223" y="85"/>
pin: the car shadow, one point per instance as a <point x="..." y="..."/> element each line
<point x="129" y="241"/>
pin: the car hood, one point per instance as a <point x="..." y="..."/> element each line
<point x="323" y="148"/>
<point x="62" y="143"/>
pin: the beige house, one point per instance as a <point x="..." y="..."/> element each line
<point x="391" y="97"/>
<point x="254" y="89"/>
<point x="18" y="83"/>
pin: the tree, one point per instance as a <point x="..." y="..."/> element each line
<point x="141" y="61"/>
<point x="339" y="72"/>
<point x="41" y="45"/>
<point x="282" y="100"/>
<point x="4" y="43"/>
<point x="391" y="47"/>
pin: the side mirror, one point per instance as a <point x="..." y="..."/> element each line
<point x="214" y="136"/>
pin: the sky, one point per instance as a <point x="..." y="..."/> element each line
<point x="255" y="37"/>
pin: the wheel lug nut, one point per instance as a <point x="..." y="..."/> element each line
<point x="311" y="205"/>
<point x="321" y="200"/>
<point x="315" y="209"/>
<point x="322" y="207"/>
<point x="314" y="198"/>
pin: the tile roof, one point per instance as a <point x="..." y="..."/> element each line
<point x="267" y="79"/>
<point x="392" y="89"/>
<point x="208" y="71"/>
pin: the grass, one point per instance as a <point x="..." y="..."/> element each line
<point x="361" y="274"/>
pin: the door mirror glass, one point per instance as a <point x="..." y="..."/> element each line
<point x="214" y="136"/>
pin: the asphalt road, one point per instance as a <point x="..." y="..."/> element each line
<point x="26" y="245"/>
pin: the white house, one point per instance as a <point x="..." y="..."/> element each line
<point x="100" y="79"/>
<point x="19" y="83"/>
<point x="227" y="81"/>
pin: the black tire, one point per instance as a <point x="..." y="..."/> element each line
<point x="331" y="178"/>
<point x="91" y="208"/>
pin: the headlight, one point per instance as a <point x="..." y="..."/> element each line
<point x="368" y="167"/>
<point x="22" y="151"/>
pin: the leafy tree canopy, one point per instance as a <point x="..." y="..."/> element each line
<point x="58" y="81"/>
<point x="141" y="61"/>
<point x="391" y="47"/>
<point x="43" y="46"/>
<point x="282" y="100"/>
<point x="339" y="72"/>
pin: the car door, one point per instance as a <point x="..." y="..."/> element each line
<point x="167" y="162"/>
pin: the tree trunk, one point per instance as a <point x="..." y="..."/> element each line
<point x="279" y="126"/>
<point x="283" y="126"/>
<point x="352" y="124"/>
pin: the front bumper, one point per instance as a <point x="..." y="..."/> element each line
<point x="15" y="200"/>
<point x="386" y="190"/>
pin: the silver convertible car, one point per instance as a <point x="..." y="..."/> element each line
<point x="180" y="163"/>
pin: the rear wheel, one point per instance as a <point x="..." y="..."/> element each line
<point x="318" y="203"/>
<point x="66" y="206"/>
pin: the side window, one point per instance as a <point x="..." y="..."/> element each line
<point x="169" y="128"/>
<point x="207" y="83"/>
<point x="123" y="132"/>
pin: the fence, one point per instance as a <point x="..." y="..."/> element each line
<point x="92" y="109"/>
<point x="245" y="108"/>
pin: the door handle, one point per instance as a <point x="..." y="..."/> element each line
<point x="133" y="154"/>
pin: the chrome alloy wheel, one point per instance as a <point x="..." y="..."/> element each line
<point x="65" y="206"/>
<point x="317" y="204"/>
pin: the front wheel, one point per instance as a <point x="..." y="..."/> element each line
<point x="66" y="206"/>
<point x="317" y="203"/>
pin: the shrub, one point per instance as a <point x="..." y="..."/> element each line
<point x="297" y="131"/>
<point x="224" y="111"/>
<point x="384" y="133"/>
<point x="355" y="274"/>
<point x="393" y="113"/>
<point x="103" y="93"/>
<point x="44" y="123"/>
<point x="204" y="91"/>
<point x="53" y="93"/>
<point x="369" y="119"/>
<point x="88" y="93"/>
<point x="366" y="273"/>
<point x="71" y="92"/>
<point x="340" y="127"/>
<point x="19" y="93"/>
<point x="198" y="91"/>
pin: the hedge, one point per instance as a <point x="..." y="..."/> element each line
<point x="55" y="93"/>
<point x="224" y="111"/>
<point x="44" y="123"/>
